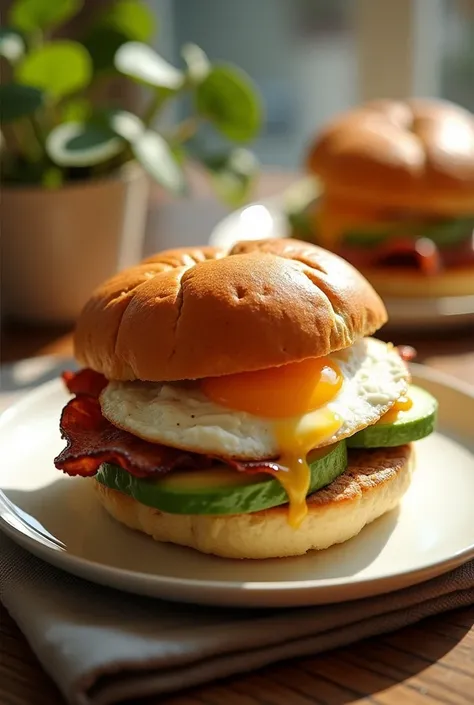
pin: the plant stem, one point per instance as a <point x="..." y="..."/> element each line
<point x="7" y="140"/>
<point x="25" y="140"/>
<point x="185" y="130"/>
<point x="19" y="138"/>
<point x="159" y="98"/>
<point x="127" y="155"/>
<point x="37" y="131"/>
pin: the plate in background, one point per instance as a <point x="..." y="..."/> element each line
<point x="59" y="519"/>
<point x="268" y="220"/>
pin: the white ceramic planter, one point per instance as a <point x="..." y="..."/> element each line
<point x="57" y="246"/>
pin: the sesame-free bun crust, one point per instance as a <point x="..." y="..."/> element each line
<point x="417" y="155"/>
<point x="199" y="312"/>
<point x="373" y="485"/>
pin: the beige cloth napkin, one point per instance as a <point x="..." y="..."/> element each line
<point x="102" y="646"/>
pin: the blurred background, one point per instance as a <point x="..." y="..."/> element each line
<point x="314" y="58"/>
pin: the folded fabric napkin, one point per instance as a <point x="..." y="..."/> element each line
<point x="103" y="646"/>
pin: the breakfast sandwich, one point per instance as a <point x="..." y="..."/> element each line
<point x="236" y="403"/>
<point x="397" y="195"/>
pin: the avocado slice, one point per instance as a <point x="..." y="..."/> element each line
<point x="410" y="425"/>
<point x="221" y="490"/>
<point x="444" y="233"/>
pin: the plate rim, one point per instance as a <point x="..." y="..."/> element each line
<point x="124" y="579"/>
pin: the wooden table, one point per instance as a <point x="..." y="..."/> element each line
<point x="428" y="664"/>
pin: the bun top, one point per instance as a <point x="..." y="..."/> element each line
<point x="417" y="154"/>
<point x="201" y="312"/>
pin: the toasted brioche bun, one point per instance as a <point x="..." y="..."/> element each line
<point x="194" y="313"/>
<point x="414" y="155"/>
<point x="408" y="284"/>
<point x="373" y="484"/>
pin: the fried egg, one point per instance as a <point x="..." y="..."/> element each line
<point x="283" y="412"/>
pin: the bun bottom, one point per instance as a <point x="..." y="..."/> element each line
<point x="373" y="484"/>
<point x="403" y="283"/>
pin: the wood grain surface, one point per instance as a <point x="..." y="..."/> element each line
<point x="427" y="664"/>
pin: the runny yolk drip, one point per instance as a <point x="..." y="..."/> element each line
<point x="293" y="396"/>
<point x="296" y="438"/>
<point x="403" y="404"/>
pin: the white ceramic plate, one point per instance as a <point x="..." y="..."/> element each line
<point x="267" y="220"/>
<point x="58" y="519"/>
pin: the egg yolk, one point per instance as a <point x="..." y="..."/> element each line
<point x="403" y="404"/>
<point x="278" y="392"/>
<point x="296" y="438"/>
<point x="292" y="396"/>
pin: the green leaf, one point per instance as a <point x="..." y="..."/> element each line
<point x="31" y="15"/>
<point x="233" y="174"/>
<point x="82" y="144"/>
<point x="124" y="124"/>
<point x="59" y="68"/>
<point x="12" y="45"/>
<point x="76" y="110"/>
<point x="197" y="63"/>
<point x="131" y="18"/>
<point x="228" y="98"/>
<point x="102" y="44"/>
<point x="142" y="63"/>
<point x="158" y="159"/>
<point x="122" y="22"/>
<point x="18" y="101"/>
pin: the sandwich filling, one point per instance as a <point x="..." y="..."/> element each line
<point x="241" y="442"/>
<point x="371" y="238"/>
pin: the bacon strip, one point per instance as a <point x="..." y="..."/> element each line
<point x="423" y="251"/>
<point x="86" y="381"/>
<point x="92" y="440"/>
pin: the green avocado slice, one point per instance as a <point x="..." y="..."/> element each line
<point x="444" y="233"/>
<point x="410" y="425"/>
<point x="220" y="490"/>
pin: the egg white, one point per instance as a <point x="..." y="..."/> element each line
<point x="181" y="416"/>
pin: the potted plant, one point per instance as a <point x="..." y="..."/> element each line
<point x="75" y="170"/>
